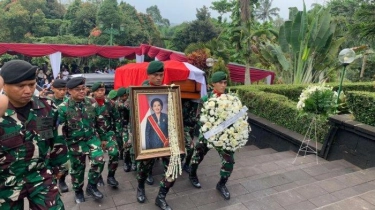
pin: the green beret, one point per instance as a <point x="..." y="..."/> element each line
<point x="112" y="94"/>
<point x="218" y="76"/>
<point x="155" y="66"/>
<point x="96" y="86"/>
<point x="74" y="82"/>
<point x="16" y="71"/>
<point x="122" y="91"/>
<point x="59" y="83"/>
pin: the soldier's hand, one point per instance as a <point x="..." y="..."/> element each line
<point x="58" y="176"/>
<point x="104" y="145"/>
<point x="127" y="144"/>
<point x="3" y="99"/>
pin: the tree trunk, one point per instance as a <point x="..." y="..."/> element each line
<point x="245" y="19"/>
<point x="364" y="61"/>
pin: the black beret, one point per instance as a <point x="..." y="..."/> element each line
<point x="74" y="82"/>
<point x="218" y="76"/>
<point x="96" y="86"/>
<point x="16" y="71"/>
<point x="155" y="66"/>
<point x="59" y="83"/>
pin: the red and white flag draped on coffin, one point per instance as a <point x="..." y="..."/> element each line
<point x="134" y="74"/>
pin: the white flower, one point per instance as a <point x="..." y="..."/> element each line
<point x="218" y="143"/>
<point x="212" y="120"/>
<point x="203" y="119"/>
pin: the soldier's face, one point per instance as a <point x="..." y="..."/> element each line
<point x="78" y="93"/>
<point x="59" y="93"/>
<point x="220" y="86"/>
<point x="20" y="94"/>
<point x="124" y="97"/>
<point x="156" y="78"/>
<point x="99" y="93"/>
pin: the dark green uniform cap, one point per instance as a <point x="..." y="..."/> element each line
<point x="218" y="76"/>
<point x="16" y="71"/>
<point x="96" y="86"/>
<point x="155" y="66"/>
<point x="74" y="82"/>
<point x="112" y="94"/>
<point x="122" y="91"/>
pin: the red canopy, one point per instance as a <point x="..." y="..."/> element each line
<point x="237" y="71"/>
<point x="37" y="50"/>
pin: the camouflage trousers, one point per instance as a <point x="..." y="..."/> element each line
<point x="189" y="148"/>
<point x="144" y="167"/>
<point x="129" y="155"/>
<point x="39" y="187"/>
<point x="227" y="158"/>
<point x="77" y="155"/>
<point x="113" y="153"/>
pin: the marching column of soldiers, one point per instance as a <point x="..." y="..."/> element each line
<point x="43" y="140"/>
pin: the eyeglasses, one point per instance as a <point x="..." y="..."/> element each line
<point x="80" y="89"/>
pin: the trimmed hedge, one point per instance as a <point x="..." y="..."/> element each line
<point x="293" y="92"/>
<point x="278" y="104"/>
<point x="362" y="105"/>
<point x="282" y="111"/>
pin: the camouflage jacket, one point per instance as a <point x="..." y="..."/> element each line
<point x="31" y="144"/>
<point x="124" y="112"/>
<point x="80" y="121"/>
<point x="111" y="118"/>
<point x="58" y="101"/>
<point x="190" y="115"/>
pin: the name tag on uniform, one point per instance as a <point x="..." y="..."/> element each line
<point x="44" y="126"/>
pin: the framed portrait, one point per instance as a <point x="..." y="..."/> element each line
<point x="150" y="112"/>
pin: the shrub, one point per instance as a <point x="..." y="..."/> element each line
<point x="362" y="106"/>
<point x="281" y="111"/>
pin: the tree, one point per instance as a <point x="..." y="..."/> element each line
<point x="108" y="17"/>
<point x="84" y="20"/>
<point x="265" y="11"/>
<point x="154" y="12"/>
<point x="245" y="20"/>
<point x="15" y="22"/>
<point x="203" y="14"/>
<point x="222" y="7"/>
<point x="38" y="24"/>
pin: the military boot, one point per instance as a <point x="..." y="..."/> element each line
<point x="134" y="167"/>
<point x="127" y="161"/>
<point x="186" y="168"/>
<point x="141" y="194"/>
<point x="160" y="199"/>
<point x="62" y="185"/>
<point x="193" y="176"/>
<point x="79" y="197"/>
<point x="93" y="191"/>
<point x="100" y="181"/>
<point x="150" y="179"/>
<point x="222" y="188"/>
<point x="111" y="181"/>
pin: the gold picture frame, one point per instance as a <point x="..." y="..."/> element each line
<point x="149" y="120"/>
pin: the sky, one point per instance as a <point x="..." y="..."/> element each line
<point x="178" y="11"/>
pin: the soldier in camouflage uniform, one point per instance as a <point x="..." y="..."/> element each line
<point x="59" y="95"/>
<point x="3" y="99"/>
<point x="123" y="106"/>
<point x="190" y="120"/>
<point x="155" y="72"/>
<point x="219" y="82"/>
<point x="111" y="118"/>
<point x="31" y="155"/>
<point x="81" y="125"/>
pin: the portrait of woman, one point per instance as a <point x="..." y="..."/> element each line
<point x="156" y="133"/>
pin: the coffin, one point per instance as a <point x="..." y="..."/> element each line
<point x="190" y="89"/>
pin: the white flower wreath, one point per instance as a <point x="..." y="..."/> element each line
<point x="217" y="110"/>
